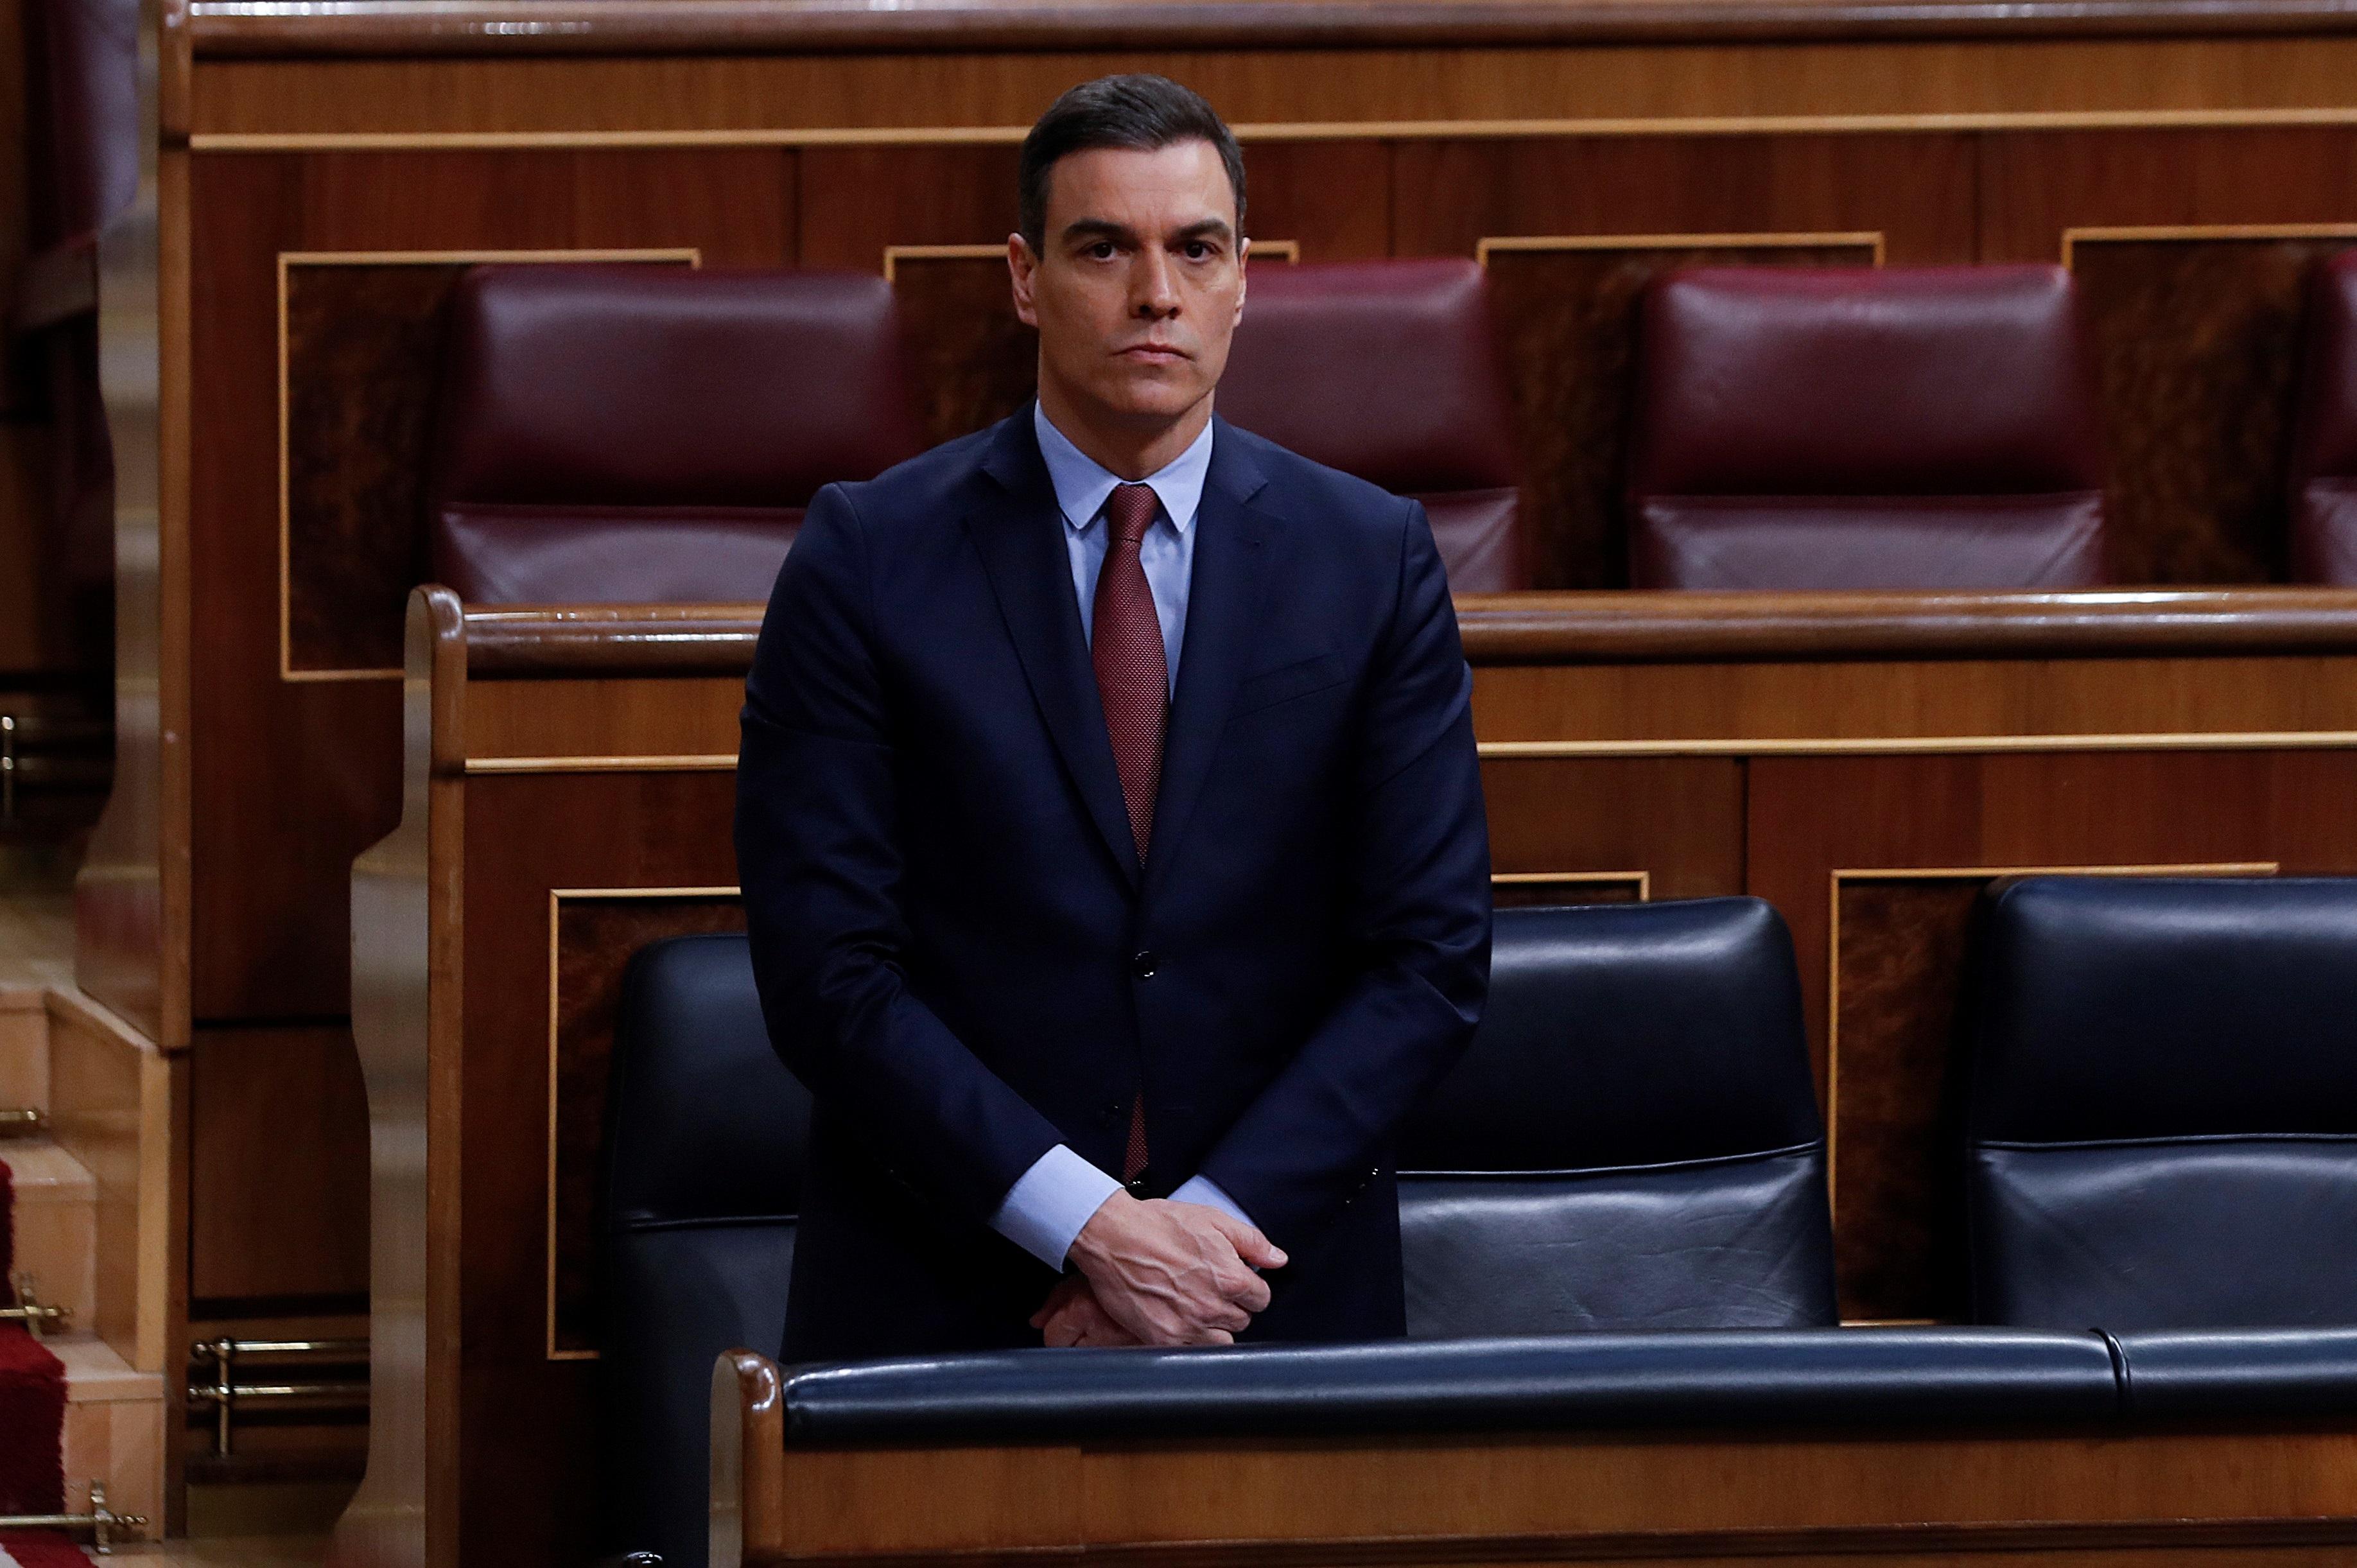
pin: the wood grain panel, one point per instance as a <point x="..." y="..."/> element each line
<point x="1679" y="820"/>
<point x="277" y="1170"/>
<point x="2197" y="342"/>
<point x="1571" y="369"/>
<point x="1007" y="90"/>
<point x="1864" y="701"/>
<point x="595" y="936"/>
<point x="362" y="350"/>
<point x="1913" y="187"/>
<point x="570" y="721"/>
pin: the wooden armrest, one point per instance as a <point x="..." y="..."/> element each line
<point x="749" y="1460"/>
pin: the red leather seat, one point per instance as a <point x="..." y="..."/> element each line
<point x="1864" y="428"/>
<point x="652" y="435"/>
<point x="2324" y="440"/>
<point x="1388" y="371"/>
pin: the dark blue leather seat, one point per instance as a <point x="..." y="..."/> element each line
<point x="703" y="1180"/>
<point x="2162" y="1124"/>
<point x="1631" y="1141"/>
<point x="1580" y="1382"/>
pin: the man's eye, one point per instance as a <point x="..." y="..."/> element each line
<point x="1101" y="252"/>
<point x="1200" y="251"/>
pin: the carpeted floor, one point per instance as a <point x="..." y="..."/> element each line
<point x="32" y="1425"/>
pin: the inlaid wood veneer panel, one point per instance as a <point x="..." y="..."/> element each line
<point x="2198" y="341"/>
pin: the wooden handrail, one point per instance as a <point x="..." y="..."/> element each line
<point x="525" y="641"/>
<point x="312" y="28"/>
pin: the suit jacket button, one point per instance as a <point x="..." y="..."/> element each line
<point x="1141" y="964"/>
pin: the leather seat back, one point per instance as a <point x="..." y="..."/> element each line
<point x="707" y="1141"/>
<point x="650" y="434"/>
<point x="2324" y="439"/>
<point x="1631" y="1141"/>
<point x="1388" y="371"/>
<point x="2162" y="1122"/>
<point x="1864" y="428"/>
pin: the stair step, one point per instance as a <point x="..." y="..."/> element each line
<point x="115" y="1427"/>
<point x="56" y="1224"/>
<point x="24" y="1052"/>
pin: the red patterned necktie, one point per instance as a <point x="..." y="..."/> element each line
<point x="1134" y="682"/>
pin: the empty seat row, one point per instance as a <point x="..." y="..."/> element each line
<point x="2161" y="1175"/>
<point x="647" y="434"/>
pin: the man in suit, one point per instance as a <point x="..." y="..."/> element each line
<point x="1109" y="823"/>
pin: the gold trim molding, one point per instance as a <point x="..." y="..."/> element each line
<point x="287" y="260"/>
<point x="1642" y="880"/>
<point x="2195" y="233"/>
<point x="1925" y="745"/>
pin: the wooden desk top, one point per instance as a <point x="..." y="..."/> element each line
<point x="1577" y="628"/>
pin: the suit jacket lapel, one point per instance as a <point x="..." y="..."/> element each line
<point x="1224" y="604"/>
<point x="1019" y="530"/>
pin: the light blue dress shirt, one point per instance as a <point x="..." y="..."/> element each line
<point x="1048" y="1204"/>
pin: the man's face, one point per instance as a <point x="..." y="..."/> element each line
<point x="1139" y="282"/>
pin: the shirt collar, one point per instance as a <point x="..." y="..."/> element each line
<point x="1084" y="483"/>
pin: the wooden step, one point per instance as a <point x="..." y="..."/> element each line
<point x="115" y="1427"/>
<point x="57" y="1226"/>
<point x="24" y="1052"/>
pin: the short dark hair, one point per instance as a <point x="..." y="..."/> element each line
<point x="1141" y="113"/>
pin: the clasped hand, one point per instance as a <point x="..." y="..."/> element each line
<point x="1158" y="1272"/>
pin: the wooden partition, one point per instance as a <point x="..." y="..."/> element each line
<point x="1866" y="762"/>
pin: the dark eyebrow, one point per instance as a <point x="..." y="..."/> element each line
<point x="1097" y="228"/>
<point x="1209" y="229"/>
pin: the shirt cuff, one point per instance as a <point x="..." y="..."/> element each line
<point x="1048" y="1204"/>
<point x="1205" y="1191"/>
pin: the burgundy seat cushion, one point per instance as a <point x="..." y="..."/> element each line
<point x="1388" y="371"/>
<point x="1865" y="428"/>
<point x="650" y="434"/>
<point x="2324" y="442"/>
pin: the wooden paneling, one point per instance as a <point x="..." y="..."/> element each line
<point x="527" y="836"/>
<point x="1720" y="78"/>
<point x="1915" y="188"/>
<point x="596" y="934"/>
<point x="1691" y="1499"/>
<point x="1571" y="369"/>
<point x="1678" y="819"/>
<point x="278" y="1169"/>
<point x="294" y="778"/>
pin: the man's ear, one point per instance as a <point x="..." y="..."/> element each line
<point x="1022" y="273"/>
<point x="1243" y="279"/>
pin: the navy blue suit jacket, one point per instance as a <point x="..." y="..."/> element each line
<point x="961" y="956"/>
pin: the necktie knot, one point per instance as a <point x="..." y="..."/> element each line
<point x="1130" y="509"/>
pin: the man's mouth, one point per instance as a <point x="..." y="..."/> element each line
<point x="1153" y="353"/>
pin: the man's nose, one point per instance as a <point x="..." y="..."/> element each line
<point x="1153" y="286"/>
